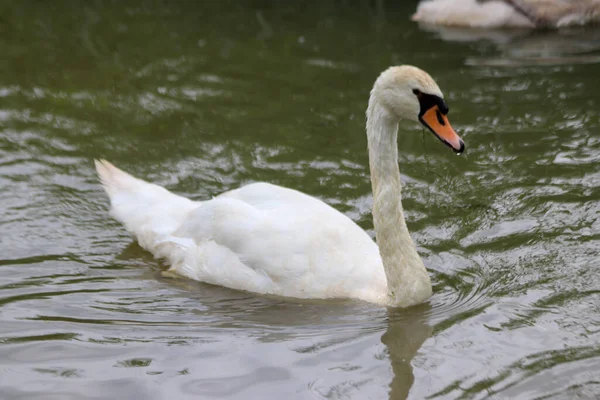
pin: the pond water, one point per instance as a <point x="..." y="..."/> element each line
<point x="202" y="97"/>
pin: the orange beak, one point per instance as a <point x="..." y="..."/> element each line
<point x="440" y="126"/>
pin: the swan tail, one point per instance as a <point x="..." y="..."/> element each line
<point x="149" y="212"/>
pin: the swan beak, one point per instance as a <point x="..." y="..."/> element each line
<point x="438" y="123"/>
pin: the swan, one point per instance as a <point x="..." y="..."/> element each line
<point x="273" y="240"/>
<point x="508" y="13"/>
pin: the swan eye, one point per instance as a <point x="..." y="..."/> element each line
<point x="417" y="92"/>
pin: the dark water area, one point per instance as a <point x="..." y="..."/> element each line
<point x="202" y="97"/>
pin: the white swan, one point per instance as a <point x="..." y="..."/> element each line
<point x="508" y="13"/>
<point x="269" y="239"/>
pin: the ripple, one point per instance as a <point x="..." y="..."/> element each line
<point x="232" y="383"/>
<point x="500" y="231"/>
<point x="470" y="299"/>
<point x="74" y="389"/>
<point x="541" y="374"/>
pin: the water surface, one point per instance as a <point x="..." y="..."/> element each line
<point x="202" y="97"/>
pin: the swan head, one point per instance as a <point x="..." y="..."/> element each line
<point x="407" y="92"/>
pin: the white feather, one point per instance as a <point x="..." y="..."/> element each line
<point x="499" y="14"/>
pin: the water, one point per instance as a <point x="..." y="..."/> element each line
<point x="204" y="97"/>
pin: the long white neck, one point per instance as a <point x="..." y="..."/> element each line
<point x="407" y="279"/>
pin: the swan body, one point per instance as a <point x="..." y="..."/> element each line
<point x="508" y="13"/>
<point x="269" y="239"/>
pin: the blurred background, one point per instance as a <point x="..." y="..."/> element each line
<point x="202" y="97"/>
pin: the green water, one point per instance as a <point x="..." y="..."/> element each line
<point x="204" y="96"/>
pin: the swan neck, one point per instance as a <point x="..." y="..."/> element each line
<point x="407" y="279"/>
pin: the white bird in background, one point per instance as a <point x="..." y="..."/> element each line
<point x="508" y="13"/>
<point x="269" y="239"/>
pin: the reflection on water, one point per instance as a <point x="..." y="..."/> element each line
<point x="201" y="98"/>
<point x="403" y="338"/>
<point x="521" y="47"/>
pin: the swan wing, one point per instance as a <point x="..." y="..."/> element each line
<point x="261" y="238"/>
<point x="269" y="239"/>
